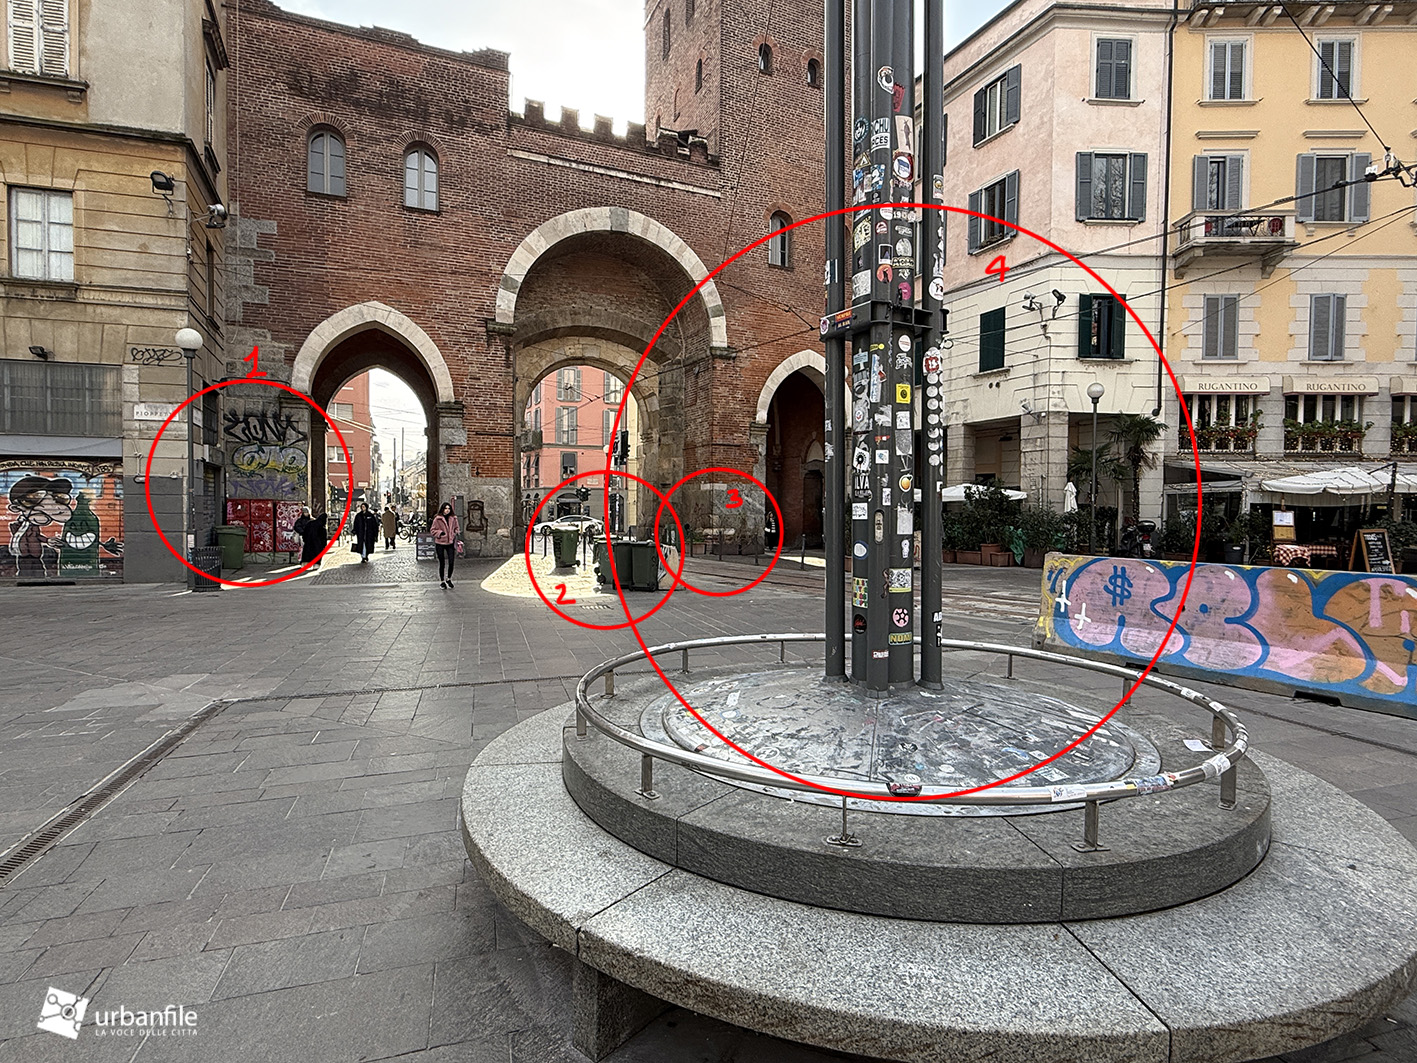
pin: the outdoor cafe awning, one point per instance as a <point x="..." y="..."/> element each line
<point x="1292" y="482"/>
<point x="1356" y="481"/>
<point x="956" y="493"/>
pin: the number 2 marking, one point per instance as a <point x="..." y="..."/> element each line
<point x="998" y="266"/>
<point x="734" y="499"/>
<point x="255" y="372"/>
<point x="561" y="598"/>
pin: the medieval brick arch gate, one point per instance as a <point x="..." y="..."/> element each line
<point x="591" y="287"/>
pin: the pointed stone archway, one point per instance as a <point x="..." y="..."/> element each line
<point x="787" y="431"/>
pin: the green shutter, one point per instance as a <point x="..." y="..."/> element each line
<point x="1084" y="326"/>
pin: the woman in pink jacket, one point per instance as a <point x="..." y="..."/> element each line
<point x="446" y="531"/>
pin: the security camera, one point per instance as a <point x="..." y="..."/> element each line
<point x="1030" y="302"/>
<point x="1059" y="297"/>
<point x="1025" y="406"/>
<point x="216" y="216"/>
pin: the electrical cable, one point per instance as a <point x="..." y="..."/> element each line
<point x="1339" y="85"/>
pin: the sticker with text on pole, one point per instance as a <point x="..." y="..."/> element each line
<point x="932" y="361"/>
<point x="998" y="266"/>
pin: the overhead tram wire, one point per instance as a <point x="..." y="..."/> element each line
<point x="1379" y="223"/>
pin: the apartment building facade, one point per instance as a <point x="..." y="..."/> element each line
<point x="1293" y="296"/>
<point x="1074" y="153"/>
<point x="108" y="180"/>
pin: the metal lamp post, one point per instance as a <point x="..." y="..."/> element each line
<point x="190" y="340"/>
<point x="1095" y="391"/>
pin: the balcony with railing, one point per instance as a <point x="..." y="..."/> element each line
<point x="1264" y="235"/>
<point x="1222" y="439"/>
<point x="1334" y="439"/>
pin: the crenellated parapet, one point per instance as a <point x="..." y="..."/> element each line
<point x="684" y="146"/>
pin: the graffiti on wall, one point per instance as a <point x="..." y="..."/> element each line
<point x="62" y="519"/>
<point x="1346" y="633"/>
<point x="268" y="455"/>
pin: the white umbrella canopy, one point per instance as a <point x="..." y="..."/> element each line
<point x="1351" y="480"/>
<point x="957" y="493"/>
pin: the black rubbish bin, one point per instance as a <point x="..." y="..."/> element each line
<point x="1234" y="553"/>
<point x="207" y="559"/>
<point x="566" y="543"/>
<point x="644" y="566"/>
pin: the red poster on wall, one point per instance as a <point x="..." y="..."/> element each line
<point x="287" y="513"/>
<point x="238" y="512"/>
<point x="261" y="532"/>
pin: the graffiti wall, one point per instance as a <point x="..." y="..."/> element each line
<point x="268" y="454"/>
<point x="1348" y="634"/>
<point x="61" y="519"/>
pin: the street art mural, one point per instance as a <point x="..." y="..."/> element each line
<point x="62" y="519"/>
<point x="269" y="456"/>
<point x="1350" y="634"/>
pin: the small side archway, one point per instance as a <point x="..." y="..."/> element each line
<point x="788" y="428"/>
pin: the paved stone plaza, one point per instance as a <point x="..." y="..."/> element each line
<point x="293" y="871"/>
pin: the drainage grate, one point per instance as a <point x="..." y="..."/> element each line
<point x="39" y="841"/>
<point x="588" y="606"/>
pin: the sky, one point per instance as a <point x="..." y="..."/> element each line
<point x="586" y="54"/>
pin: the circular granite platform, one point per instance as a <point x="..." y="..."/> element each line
<point x="969" y="734"/>
<point x="1320" y="938"/>
<point x="1163" y="850"/>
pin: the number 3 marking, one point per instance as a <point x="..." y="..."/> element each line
<point x="561" y="598"/>
<point x="734" y="499"/>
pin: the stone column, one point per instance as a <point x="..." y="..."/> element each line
<point x="1043" y="457"/>
<point x="959" y="455"/>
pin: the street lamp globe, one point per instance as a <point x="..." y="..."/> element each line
<point x="189" y="339"/>
<point x="1095" y="391"/>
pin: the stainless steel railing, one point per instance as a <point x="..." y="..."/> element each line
<point x="1220" y="765"/>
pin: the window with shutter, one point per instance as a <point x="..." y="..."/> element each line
<point x="54" y="37"/>
<point x="1221" y="332"/>
<point x="1330" y="193"/>
<point x="1227" y="70"/>
<point x="999" y="200"/>
<point x="996" y="105"/>
<point x="1335" y="69"/>
<point x="1102" y="325"/>
<point x="1113" y="80"/>
<point x="991" y="340"/>
<point x="1110" y="187"/>
<point x="1327" y="315"/>
<point x="1360" y="193"/>
<point x="22" y="25"/>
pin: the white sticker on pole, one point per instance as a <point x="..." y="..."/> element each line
<point x="1216" y="766"/>
<point x="1067" y="793"/>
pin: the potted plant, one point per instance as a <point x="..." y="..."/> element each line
<point x="1178" y="537"/>
<point x="951" y="536"/>
<point x="991" y="515"/>
<point x="1041" y="529"/>
<point x="1349" y="434"/>
<point x="1404" y="438"/>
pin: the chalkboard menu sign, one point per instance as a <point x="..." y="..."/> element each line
<point x="423" y="547"/>
<point x="1284" y="525"/>
<point x="1371" y="546"/>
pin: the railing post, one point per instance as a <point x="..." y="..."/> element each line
<point x="781" y="651"/>
<point x="1090" y="830"/>
<point x="844" y="840"/>
<point x="1011" y="666"/>
<point x="646" y="789"/>
<point x="610" y="683"/>
<point x="684" y="663"/>
<point x="1217" y="733"/>
<point x="580" y="723"/>
<point x="1227" y="788"/>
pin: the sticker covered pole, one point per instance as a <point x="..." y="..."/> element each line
<point x="834" y="501"/>
<point x="931" y="401"/>
<point x="863" y="75"/>
<point x="899" y="615"/>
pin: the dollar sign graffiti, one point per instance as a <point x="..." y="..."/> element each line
<point x="1119" y="585"/>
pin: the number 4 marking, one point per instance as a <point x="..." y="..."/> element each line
<point x="734" y="499"/>
<point x="998" y="266"/>
<point x="255" y="372"/>
<point x="561" y="598"/>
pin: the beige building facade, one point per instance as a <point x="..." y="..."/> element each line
<point x="112" y="137"/>
<point x="1056" y="124"/>
<point x="1292" y="317"/>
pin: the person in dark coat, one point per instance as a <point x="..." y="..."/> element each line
<point x="314" y="534"/>
<point x="390" y="521"/>
<point x="366" y="533"/>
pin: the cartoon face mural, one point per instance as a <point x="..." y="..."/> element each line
<point x="1346" y="633"/>
<point x="63" y="521"/>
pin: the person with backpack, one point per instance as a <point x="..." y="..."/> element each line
<point x="447" y="542"/>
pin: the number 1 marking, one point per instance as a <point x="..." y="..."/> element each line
<point x="561" y="598"/>
<point x="734" y="499"/>
<point x="255" y="372"/>
<point x="998" y="266"/>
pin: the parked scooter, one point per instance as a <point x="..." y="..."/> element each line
<point x="1137" y="539"/>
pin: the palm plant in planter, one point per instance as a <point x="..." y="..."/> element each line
<point x="1134" y="435"/>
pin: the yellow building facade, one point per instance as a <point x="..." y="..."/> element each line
<point x="112" y="167"/>
<point x="1292" y="295"/>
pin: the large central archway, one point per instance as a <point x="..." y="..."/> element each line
<point x="591" y="288"/>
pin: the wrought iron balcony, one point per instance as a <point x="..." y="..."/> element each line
<point x="1265" y="235"/>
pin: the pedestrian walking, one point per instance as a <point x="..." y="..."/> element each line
<point x="314" y="534"/>
<point x="447" y="542"/>
<point x="390" y="522"/>
<point x="366" y="533"/>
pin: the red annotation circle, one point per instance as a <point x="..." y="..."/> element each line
<point x="1185" y="413"/>
<point x="659" y="514"/>
<point x="147" y="476"/>
<point x="614" y="575"/>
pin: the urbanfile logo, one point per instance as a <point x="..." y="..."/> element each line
<point x="62" y="1013"/>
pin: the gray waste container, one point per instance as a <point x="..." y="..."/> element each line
<point x="231" y="538"/>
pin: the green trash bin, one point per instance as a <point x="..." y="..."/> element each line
<point x="232" y="540"/>
<point x="566" y="543"/>
<point x="644" y="566"/>
<point x="624" y="564"/>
